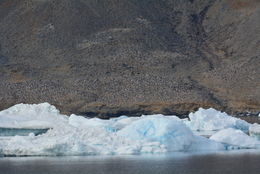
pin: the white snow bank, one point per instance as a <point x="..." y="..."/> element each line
<point x="211" y="119"/>
<point x="235" y="139"/>
<point x="77" y="135"/>
<point x="254" y="130"/>
<point x="41" y="115"/>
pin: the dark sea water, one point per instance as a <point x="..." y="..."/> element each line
<point x="232" y="162"/>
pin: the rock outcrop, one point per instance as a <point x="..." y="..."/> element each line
<point x="113" y="57"/>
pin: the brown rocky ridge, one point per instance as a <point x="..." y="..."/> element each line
<point x="114" y="57"/>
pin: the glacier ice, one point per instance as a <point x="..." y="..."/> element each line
<point x="41" y="115"/>
<point x="235" y="138"/>
<point x="168" y="131"/>
<point x="78" y="135"/>
<point x="213" y="120"/>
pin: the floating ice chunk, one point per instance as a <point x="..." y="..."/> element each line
<point x="147" y="134"/>
<point x="168" y="131"/>
<point x="211" y="119"/>
<point x="41" y="115"/>
<point x="77" y="135"/>
<point x="235" y="138"/>
<point x="173" y="133"/>
<point x="204" y="144"/>
<point x="254" y="130"/>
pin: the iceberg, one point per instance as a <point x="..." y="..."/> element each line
<point x="31" y="116"/>
<point x="213" y="120"/>
<point x="235" y="138"/>
<point x="170" y="132"/>
<point x="79" y="135"/>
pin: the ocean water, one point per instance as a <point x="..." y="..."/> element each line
<point x="231" y="162"/>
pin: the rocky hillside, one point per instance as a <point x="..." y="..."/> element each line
<point x="114" y="57"/>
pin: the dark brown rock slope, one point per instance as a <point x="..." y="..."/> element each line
<point x="113" y="57"/>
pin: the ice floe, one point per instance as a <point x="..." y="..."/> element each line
<point x="78" y="135"/>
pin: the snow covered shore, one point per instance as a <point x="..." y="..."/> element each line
<point x="77" y="135"/>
